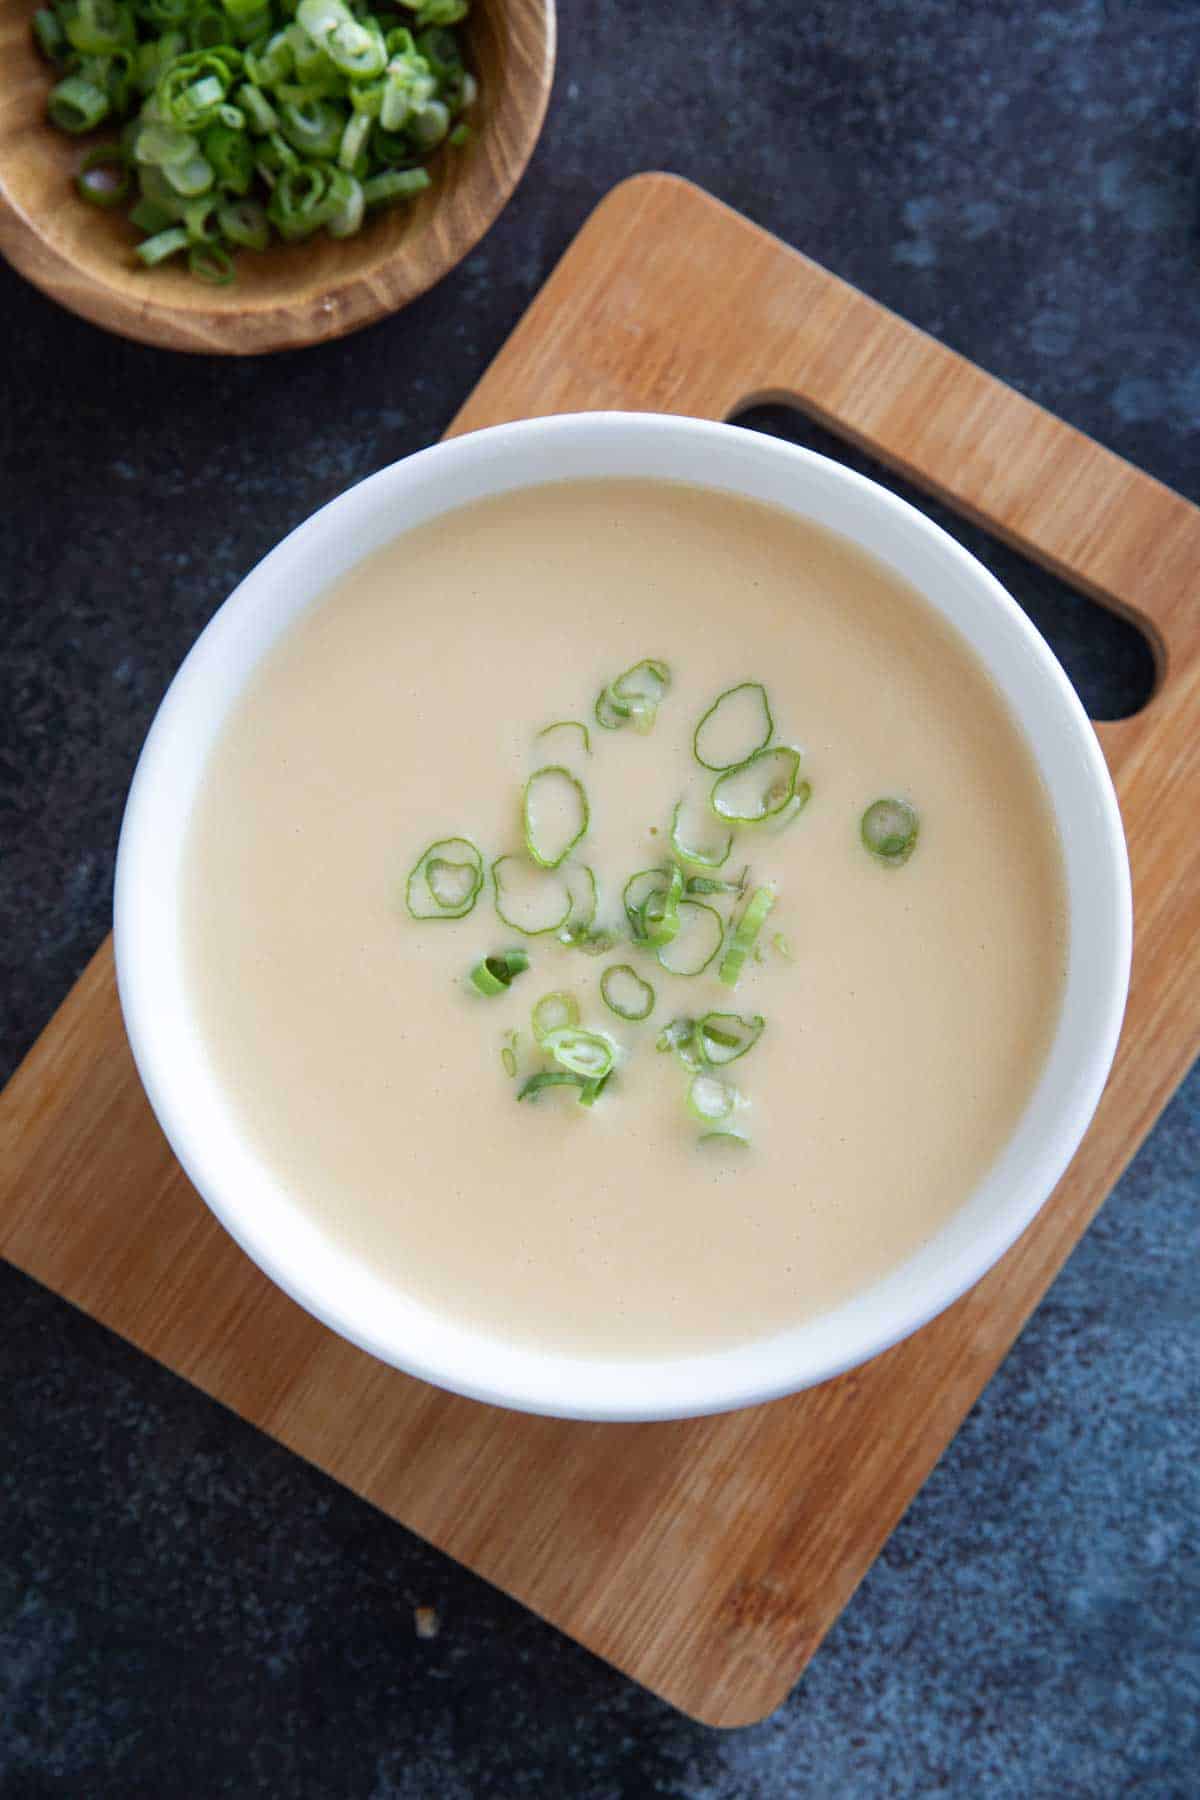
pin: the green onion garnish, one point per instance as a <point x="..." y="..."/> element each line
<point x="734" y="1140"/>
<point x="582" y="1052"/>
<point x="637" y="891"/>
<point x="746" y="930"/>
<point x="555" y="812"/>
<point x="554" y="1012"/>
<point x="659" y="918"/>
<point x="625" y="993"/>
<point x="781" y="946"/>
<point x="709" y="884"/>
<point x="495" y="974"/>
<point x="889" y="830"/>
<point x="711" y="1101"/>
<point x="721" y="1037"/>
<point x="532" y="901"/>
<point x="570" y="725"/>
<point x="711" y="858"/>
<point x="757" y="789"/>
<point x="736" y="727"/>
<point x="103" y="178"/>
<point x="445" y="882"/>
<point x="634" y="697"/>
<point x="548" y="1078"/>
<point x="678" y="1037"/>
<point x="696" y="942"/>
<point x="508" y="1056"/>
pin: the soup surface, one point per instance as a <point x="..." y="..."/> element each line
<point x="908" y="1009"/>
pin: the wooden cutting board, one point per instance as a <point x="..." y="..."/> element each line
<point x="705" y="1558"/>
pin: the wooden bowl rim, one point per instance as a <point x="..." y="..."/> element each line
<point x="341" y="306"/>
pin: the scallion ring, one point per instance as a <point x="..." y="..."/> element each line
<point x="633" y="697"/>
<point x="711" y="1101"/>
<point x="637" y="891"/>
<point x="737" y="726"/>
<point x="445" y="882"/>
<point x="582" y="1052"/>
<point x="495" y="974"/>
<point x="554" y="1012"/>
<point x="530" y="900"/>
<point x="758" y="788"/>
<point x="548" y="1078"/>
<point x="659" y="916"/>
<point x="555" y="813"/>
<point x="678" y="1037"/>
<point x="625" y="993"/>
<point x="754" y="916"/>
<point x="722" y="1038"/>
<point x="734" y="1140"/>
<point x="711" y="858"/>
<point x="889" y="830"/>
<point x="103" y="178"/>
<point x="570" y="725"/>
<point x="700" y="934"/>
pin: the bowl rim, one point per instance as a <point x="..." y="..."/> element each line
<point x="332" y="309"/>
<point x="350" y="1300"/>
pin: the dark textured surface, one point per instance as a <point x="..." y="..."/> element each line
<point x="186" y="1610"/>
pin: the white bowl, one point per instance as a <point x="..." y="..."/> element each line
<point x="249" y="1198"/>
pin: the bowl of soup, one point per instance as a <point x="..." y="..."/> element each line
<point x="621" y="917"/>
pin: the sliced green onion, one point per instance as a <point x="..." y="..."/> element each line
<point x="711" y="1101"/>
<point x="625" y="993"/>
<point x="590" y="1092"/>
<point x="745" y="932"/>
<point x="554" y="808"/>
<point x="710" y="884"/>
<point x="394" y="184"/>
<point x="570" y="725"/>
<point x="156" y="249"/>
<point x="554" y="1012"/>
<point x="584" y="1053"/>
<point x="211" y="263"/>
<point x="711" y="858"/>
<point x="780" y="820"/>
<point x="889" y="830"/>
<point x="637" y="891"/>
<point x="103" y="177"/>
<point x="548" y="1078"/>
<point x="495" y="974"/>
<point x="445" y="882"/>
<point x="76" y="105"/>
<point x="245" y="222"/>
<point x="700" y="934"/>
<point x="782" y="947"/>
<point x="734" y="1140"/>
<point x="660" y="911"/>
<point x="633" y="698"/>
<point x="722" y="1038"/>
<point x="678" y="1037"/>
<point x="758" y="788"/>
<point x="49" y="33"/>
<point x="508" y="1055"/>
<point x="530" y="900"/>
<point x="736" y="727"/>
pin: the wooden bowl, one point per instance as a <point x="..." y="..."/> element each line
<point x="295" y="294"/>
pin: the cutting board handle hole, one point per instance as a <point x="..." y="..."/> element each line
<point x="1114" y="666"/>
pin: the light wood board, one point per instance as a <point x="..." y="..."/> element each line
<point x="705" y="1558"/>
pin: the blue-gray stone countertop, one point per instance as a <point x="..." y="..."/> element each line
<point x="187" y="1610"/>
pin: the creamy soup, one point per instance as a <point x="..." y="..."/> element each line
<point x="907" y="1007"/>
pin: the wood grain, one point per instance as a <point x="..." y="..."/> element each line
<point x="706" y="1558"/>
<point x="298" y="294"/>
